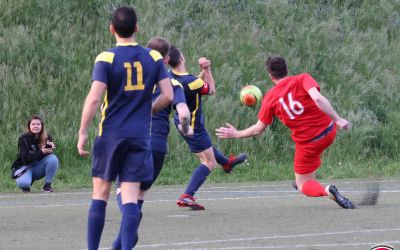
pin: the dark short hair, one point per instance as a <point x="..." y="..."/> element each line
<point x="276" y="66"/>
<point x="160" y="44"/>
<point x="174" y="56"/>
<point x="124" y="21"/>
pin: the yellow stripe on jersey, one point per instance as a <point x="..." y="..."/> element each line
<point x="155" y="55"/>
<point x="127" y="44"/>
<point x="105" y="57"/>
<point x="180" y="73"/>
<point x="176" y="83"/>
<point x="194" y="111"/>
<point x="196" y="84"/>
<point x="103" y="113"/>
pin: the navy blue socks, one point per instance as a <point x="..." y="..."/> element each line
<point x="198" y="177"/>
<point x="129" y="225"/>
<point x="117" y="245"/>
<point x="97" y="213"/>
<point x="220" y="157"/>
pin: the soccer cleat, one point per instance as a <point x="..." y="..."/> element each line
<point x="186" y="200"/>
<point x="47" y="188"/>
<point x="334" y="195"/>
<point x="233" y="161"/>
<point x="26" y="190"/>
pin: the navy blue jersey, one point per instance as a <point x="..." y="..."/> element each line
<point x="130" y="72"/>
<point x="192" y="86"/>
<point x="160" y="121"/>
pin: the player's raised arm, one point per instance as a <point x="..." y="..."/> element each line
<point x="323" y="104"/>
<point x="184" y="119"/>
<point x="206" y="75"/>
<point x="90" y="107"/>
<point x="166" y="96"/>
<point x="231" y="132"/>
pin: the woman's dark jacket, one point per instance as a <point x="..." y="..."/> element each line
<point x="29" y="150"/>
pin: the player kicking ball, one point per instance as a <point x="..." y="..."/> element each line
<point x="298" y="104"/>
<point x="200" y="143"/>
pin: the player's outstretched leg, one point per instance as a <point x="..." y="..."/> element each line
<point x="228" y="163"/>
<point x="334" y="194"/>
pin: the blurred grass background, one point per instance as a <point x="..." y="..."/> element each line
<point x="47" y="50"/>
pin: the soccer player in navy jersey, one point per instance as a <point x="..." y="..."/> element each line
<point x="127" y="75"/>
<point x="200" y="143"/>
<point x="160" y="128"/>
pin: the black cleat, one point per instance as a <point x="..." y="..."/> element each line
<point x="233" y="161"/>
<point x="294" y="185"/>
<point x="334" y="195"/>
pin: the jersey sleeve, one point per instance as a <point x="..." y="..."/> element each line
<point x="101" y="67"/>
<point x="159" y="65"/>
<point x="309" y="82"/>
<point x="179" y="94"/>
<point x="266" y="113"/>
<point x="196" y="85"/>
<point x="162" y="72"/>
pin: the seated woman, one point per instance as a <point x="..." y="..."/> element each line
<point x="35" y="158"/>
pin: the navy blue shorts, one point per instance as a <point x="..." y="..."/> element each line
<point x="199" y="142"/>
<point x="158" y="162"/>
<point x="129" y="158"/>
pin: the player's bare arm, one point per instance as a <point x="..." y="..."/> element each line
<point x="231" y="132"/>
<point x="323" y="104"/>
<point x="166" y="96"/>
<point x="90" y="107"/>
<point x="206" y="74"/>
<point x="184" y="119"/>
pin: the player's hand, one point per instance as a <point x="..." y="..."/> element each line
<point x="189" y="131"/>
<point x="226" y="132"/>
<point x="82" y="140"/>
<point x="204" y="63"/>
<point x="342" y="123"/>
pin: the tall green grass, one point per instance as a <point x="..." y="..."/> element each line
<point x="47" y="50"/>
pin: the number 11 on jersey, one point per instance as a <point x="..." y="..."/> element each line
<point x="139" y="76"/>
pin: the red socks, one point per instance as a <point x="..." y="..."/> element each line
<point x="313" y="188"/>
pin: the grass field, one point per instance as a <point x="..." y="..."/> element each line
<point x="47" y="50"/>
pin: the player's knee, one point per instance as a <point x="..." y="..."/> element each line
<point x="210" y="164"/>
<point x="101" y="194"/>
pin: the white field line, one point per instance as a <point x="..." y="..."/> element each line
<point x="370" y="244"/>
<point x="201" y="199"/>
<point x="188" y="243"/>
<point x="173" y="200"/>
<point x="159" y="189"/>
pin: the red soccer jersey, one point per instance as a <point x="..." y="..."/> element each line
<point x="290" y="102"/>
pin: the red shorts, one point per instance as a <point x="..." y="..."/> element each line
<point x="307" y="157"/>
